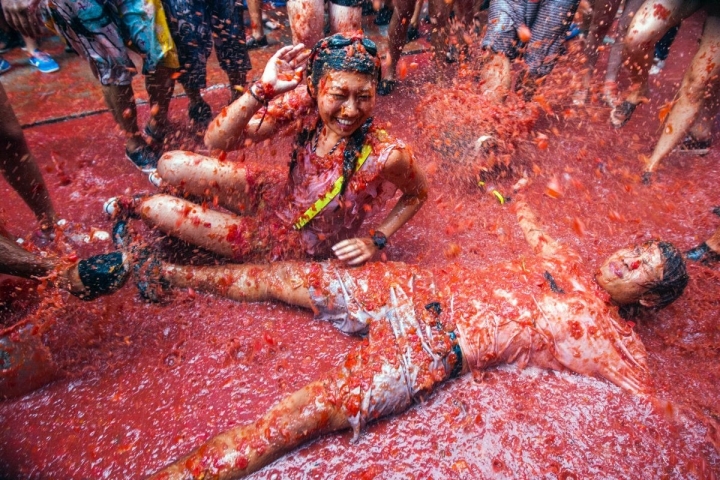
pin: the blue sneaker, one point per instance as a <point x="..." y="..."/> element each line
<point x="4" y="65"/>
<point x="43" y="62"/>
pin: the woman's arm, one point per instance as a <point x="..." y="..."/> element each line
<point x="283" y="72"/>
<point x="402" y="170"/>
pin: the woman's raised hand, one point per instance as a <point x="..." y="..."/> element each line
<point x="284" y="70"/>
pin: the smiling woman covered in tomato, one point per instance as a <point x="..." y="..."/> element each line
<point x="342" y="165"/>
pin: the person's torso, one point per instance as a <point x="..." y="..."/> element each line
<point x="313" y="177"/>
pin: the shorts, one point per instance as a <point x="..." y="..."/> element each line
<point x="197" y="25"/>
<point x="407" y="350"/>
<point x="548" y="21"/>
<point x="102" y="31"/>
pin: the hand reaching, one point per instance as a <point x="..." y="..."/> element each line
<point x="284" y="70"/>
<point x="355" y="251"/>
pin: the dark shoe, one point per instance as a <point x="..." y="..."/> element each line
<point x="11" y="40"/>
<point x="703" y="254"/>
<point x="200" y="114"/>
<point x="148" y="277"/>
<point x="253" y="43"/>
<point x="385" y="87"/>
<point x="102" y="275"/>
<point x="695" y="147"/>
<point x="413" y="33"/>
<point x="384" y="16"/>
<point x="144" y="158"/>
<point x="622" y="113"/>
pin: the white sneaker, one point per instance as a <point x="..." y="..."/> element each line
<point x="111" y="206"/>
<point x="657" y="66"/>
<point x="155" y="178"/>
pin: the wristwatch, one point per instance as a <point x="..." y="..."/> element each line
<point x="379" y="239"/>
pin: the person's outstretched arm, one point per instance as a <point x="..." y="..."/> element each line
<point x="238" y="122"/>
<point x="542" y="243"/>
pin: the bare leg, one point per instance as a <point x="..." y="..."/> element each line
<point x="18" y="262"/>
<point x="308" y="413"/>
<point x="19" y="167"/>
<point x="615" y="59"/>
<point x="121" y="102"/>
<point x="283" y="281"/>
<point x="702" y="128"/>
<point x="345" y="19"/>
<point x="440" y="18"/>
<point x="694" y="92"/>
<point x="307" y="19"/>
<point x="602" y="17"/>
<point x="210" y="229"/>
<point x="653" y="19"/>
<point x="256" y="23"/>
<point x="159" y="85"/>
<point x="415" y="20"/>
<point x="208" y="178"/>
<point x="397" y="35"/>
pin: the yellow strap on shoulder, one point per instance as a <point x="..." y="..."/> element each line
<point x="323" y="201"/>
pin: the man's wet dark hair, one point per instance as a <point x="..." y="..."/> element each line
<point x="338" y="52"/>
<point x="662" y="293"/>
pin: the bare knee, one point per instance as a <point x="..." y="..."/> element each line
<point x="172" y="162"/>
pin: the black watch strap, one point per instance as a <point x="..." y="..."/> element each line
<point x="379" y="239"/>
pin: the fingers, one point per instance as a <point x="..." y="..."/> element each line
<point x="353" y="251"/>
<point x="303" y="56"/>
<point x="291" y="51"/>
<point x="280" y="54"/>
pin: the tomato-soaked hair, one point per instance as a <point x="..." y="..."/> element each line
<point x="661" y="293"/>
<point x="674" y="280"/>
<point x="355" y="54"/>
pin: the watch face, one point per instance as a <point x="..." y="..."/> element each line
<point x="379" y="239"/>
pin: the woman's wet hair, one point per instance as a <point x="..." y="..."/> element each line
<point x="663" y="292"/>
<point x="340" y="53"/>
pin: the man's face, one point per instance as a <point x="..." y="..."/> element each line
<point x="627" y="272"/>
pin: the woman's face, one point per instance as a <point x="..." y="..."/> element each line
<point x="345" y="100"/>
<point x="627" y="272"/>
